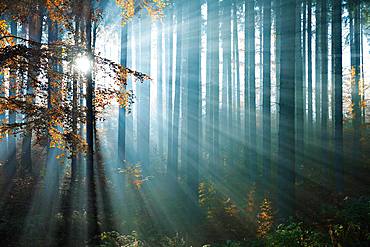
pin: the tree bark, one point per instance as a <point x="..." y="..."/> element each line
<point x="266" y="117"/>
<point x="286" y="142"/>
<point x="338" y="98"/>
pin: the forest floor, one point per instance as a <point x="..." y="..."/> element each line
<point x="49" y="209"/>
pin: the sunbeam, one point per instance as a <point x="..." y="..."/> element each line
<point x="184" y="123"/>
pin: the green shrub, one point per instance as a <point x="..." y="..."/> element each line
<point x="115" y="239"/>
<point x="175" y="241"/>
<point x="352" y="223"/>
<point x="294" y="234"/>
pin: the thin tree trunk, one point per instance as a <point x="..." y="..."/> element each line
<point x="324" y="83"/>
<point x="176" y="117"/>
<point x="226" y="76"/>
<point x="266" y="117"/>
<point x="247" y="37"/>
<point x="74" y="107"/>
<point x="318" y="67"/>
<point x="251" y="53"/>
<point x="299" y="87"/>
<point x="237" y="122"/>
<point x="309" y="71"/>
<point x="122" y="111"/>
<point x="355" y="73"/>
<point x="159" y="87"/>
<point x="237" y="65"/>
<point x="3" y="137"/>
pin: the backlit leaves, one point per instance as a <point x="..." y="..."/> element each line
<point x="129" y="8"/>
<point x="134" y="175"/>
<point x="40" y="76"/>
<point x="5" y="36"/>
<point x="264" y="218"/>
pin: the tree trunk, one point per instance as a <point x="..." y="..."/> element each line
<point x="286" y="142"/>
<point x="266" y="117"/>
<point x="309" y="72"/>
<point x="92" y="219"/>
<point x="318" y="68"/>
<point x="35" y="32"/>
<point x="143" y="96"/>
<point x="213" y="60"/>
<point x="122" y="111"/>
<point x="74" y="105"/>
<point x="159" y="88"/>
<point x="251" y="78"/>
<point x="228" y="72"/>
<point x="171" y="164"/>
<point x="324" y="84"/>
<point x="237" y="65"/>
<point x="338" y="99"/>
<point x="10" y="165"/>
<point x="3" y="137"/>
<point x="355" y="77"/>
<point x="193" y="101"/>
<point x="246" y="86"/>
<point x="299" y="88"/>
<point x="176" y="117"/>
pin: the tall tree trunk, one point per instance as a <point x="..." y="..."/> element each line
<point x="237" y="64"/>
<point x="237" y="122"/>
<point x="171" y="164"/>
<point x="299" y="87"/>
<point x="143" y="110"/>
<point x="304" y="58"/>
<point x="193" y="99"/>
<point x="212" y="93"/>
<point x="318" y="67"/>
<point x="35" y="32"/>
<point x="226" y="76"/>
<point x="10" y="165"/>
<point x="355" y="77"/>
<point x="138" y="66"/>
<point x="362" y="74"/>
<point x="92" y="219"/>
<point x="266" y="117"/>
<point x="3" y="136"/>
<point x="122" y="111"/>
<point x="176" y="117"/>
<point x="209" y="70"/>
<point x="228" y="64"/>
<point x="159" y="87"/>
<point x="74" y="103"/>
<point x="309" y="71"/>
<point x="338" y="98"/>
<point x="324" y="83"/>
<point x="246" y="86"/>
<point x="251" y="78"/>
<point x="277" y="58"/>
<point x="286" y="142"/>
<point x="212" y="79"/>
<point x="129" y="132"/>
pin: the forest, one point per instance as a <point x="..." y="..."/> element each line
<point x="178" y="123"/>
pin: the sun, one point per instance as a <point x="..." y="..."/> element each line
<point x="83" y="64"/>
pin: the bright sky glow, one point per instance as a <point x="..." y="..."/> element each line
<point x="82" y="63"/>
